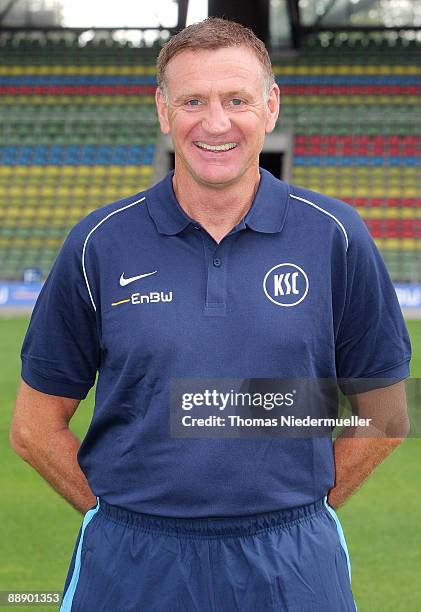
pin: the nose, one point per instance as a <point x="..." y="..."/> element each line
<point x="216" y="120"/>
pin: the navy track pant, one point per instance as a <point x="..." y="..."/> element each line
<point x="287" y="561"/>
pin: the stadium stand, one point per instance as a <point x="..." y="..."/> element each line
<point x="78" y="130"/>
<point x="352" y="101"/>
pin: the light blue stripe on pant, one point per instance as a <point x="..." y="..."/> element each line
<point x="66" y="605"/>
<point x="341" y="537"/>
<point x="340" y="533"/>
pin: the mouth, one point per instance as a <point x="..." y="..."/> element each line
<point x="227" y="146"/>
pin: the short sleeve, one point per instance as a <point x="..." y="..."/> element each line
<point x="372" y="340"/>
<point x="60" y="352"/>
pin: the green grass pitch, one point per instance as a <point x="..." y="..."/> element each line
<point x="38" y="529"/>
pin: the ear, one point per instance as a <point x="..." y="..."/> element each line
<point x="272" y="108"/>
<point x="162" y="110"/>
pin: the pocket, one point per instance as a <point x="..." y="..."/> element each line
<point x="342" y="569"/>
<point x="334" y="517"/>
<point x="88" y="524"/>
<point x="343" y="581"/>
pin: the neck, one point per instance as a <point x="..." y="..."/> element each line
<point x="217" y="208"/>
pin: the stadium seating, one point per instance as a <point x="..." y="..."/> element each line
<point x="352" y="102"/>
<point x="78" y="130"/>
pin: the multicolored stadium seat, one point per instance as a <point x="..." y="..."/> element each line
<point x="78" y="130"/>
<point x="356" y="118"/>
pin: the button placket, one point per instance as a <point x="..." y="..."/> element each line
<point x="216" y="260"/>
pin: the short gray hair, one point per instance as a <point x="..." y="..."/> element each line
<point x="213" y="33"/>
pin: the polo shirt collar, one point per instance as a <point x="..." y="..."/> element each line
<point x="166" y="212"/>
<point x="267" y="213"/>
<point x="269" y="209"/>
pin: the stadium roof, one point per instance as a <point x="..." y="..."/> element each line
<point x="289" y="20"/>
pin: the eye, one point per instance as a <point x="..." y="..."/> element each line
<point x="236" y="102"/>
<point x="194" y="102"/>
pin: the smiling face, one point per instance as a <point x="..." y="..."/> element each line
<point x="217" y="114"/>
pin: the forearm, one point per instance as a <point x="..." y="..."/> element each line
<point x="55" y="459"/>
<point x="355" y="459"/>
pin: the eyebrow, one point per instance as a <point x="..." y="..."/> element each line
<point x="243" y="93"/>
<point x="188" y="96"/>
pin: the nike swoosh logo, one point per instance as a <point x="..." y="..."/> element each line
<point x="126" y="281"/>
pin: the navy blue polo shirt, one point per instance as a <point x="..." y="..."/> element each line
<point x="141" y="294"/>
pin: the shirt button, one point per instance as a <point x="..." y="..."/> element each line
<point x="217" y="262"/>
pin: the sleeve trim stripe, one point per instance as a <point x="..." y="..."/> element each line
<point x="326" y="213"/>
<point x="90" y="234"/>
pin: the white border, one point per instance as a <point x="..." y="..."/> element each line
<point x="90" y="234"/>
<point x="326" y="213"/>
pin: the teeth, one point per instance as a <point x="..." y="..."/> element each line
<point x="224" y="147"/>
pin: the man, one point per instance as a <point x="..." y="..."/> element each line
<point x="218" y="272"/>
